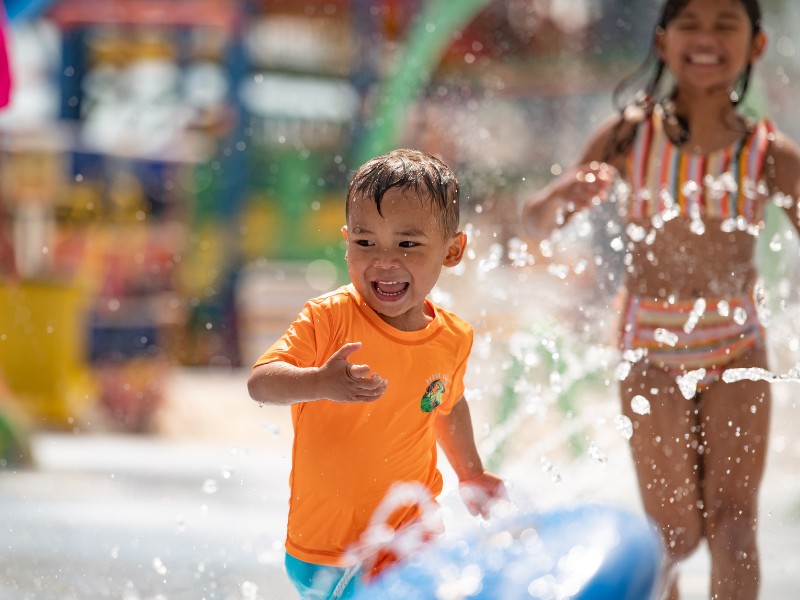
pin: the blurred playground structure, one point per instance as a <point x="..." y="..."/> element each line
<point x="172" y="171"/>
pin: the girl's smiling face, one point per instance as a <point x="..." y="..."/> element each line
<point x="708" y="44"/>
<point x="395" y="257"/>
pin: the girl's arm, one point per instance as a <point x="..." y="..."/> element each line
<point x="581" y="186"/>
<point x="783" y="175"/>
<point x="338" y="380"/>
<point x="480" y="489"/>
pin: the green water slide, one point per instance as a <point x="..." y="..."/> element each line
<point x="428" y="38"/>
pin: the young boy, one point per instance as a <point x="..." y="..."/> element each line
<point x="364" y="424"/>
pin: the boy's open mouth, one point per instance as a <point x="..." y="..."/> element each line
<point x="389" y="289"/>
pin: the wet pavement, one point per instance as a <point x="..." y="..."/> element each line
<point x="198" y="510"/>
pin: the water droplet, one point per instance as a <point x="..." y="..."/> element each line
<point x="688" y="382"/>
<point x="689" y="188"/>
<point x="159" y="567"/>
<point x="698" y="310"/>
<point x="548" y="467"/>
<point x="624" y="426"/>
<point x="210" y="486"/>
<point x="596" y="453"/>
<point x="665" y="336"/>
<point x="249" y="590"/>
<point x="634" y="355"/>
<point x="271" y="428"/>
<point x="640" y="405"/>
<point x="739" y="315"/>
<point x="635" y="232"/>
<point x="622" y="371"/>
<point x="697" y="227"/>
<point x="752" y="374"/>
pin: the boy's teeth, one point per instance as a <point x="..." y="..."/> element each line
<point x="390" y="288"/>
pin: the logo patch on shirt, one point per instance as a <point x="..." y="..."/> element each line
<point x="437" y="386"/>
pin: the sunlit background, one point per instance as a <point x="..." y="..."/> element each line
<point x="172" y="175"/>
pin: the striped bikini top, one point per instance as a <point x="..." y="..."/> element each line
<point x="726" y="184"/>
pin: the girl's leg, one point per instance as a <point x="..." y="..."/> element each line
<point x="735" y="425"/>
<point x="320" y="582"/>
<point x="665" y="448"/>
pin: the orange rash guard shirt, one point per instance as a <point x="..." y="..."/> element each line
<point x="345" y="456"/>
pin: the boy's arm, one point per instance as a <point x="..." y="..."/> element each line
<point x="338" y="380"/>
<point x="455" y="436"/>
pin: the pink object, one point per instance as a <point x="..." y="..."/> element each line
<point x="5" y="69"/>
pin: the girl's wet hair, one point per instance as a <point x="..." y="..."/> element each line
<point x="652" y="93"/>
<point x="422" y="173"/>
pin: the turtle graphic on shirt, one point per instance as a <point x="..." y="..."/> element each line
<point x="432" y="396"/>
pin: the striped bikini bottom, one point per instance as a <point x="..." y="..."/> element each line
<point x="693" y="334"/>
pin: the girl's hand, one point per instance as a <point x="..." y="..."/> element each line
<point x="342" y="381"/>
<point x="585" y="185"/>
<point x="481" y="492"/>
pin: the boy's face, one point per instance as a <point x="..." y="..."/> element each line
<point x="395" y="259"/>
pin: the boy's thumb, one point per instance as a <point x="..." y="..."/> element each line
<point x="346" y="350"/>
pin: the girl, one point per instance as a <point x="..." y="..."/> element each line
<point x="698" y="175"/>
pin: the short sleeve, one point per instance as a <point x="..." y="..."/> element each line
<point x="303" y="341"/>
<point x="457" y="384"/>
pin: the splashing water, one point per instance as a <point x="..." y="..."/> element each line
<point x="380" y="537"/>
<point x="636" y="233"/>
<point x="624" y="426"/>
<point x="623" y="370"/>
<point x="664" y="336"/>
<point x="758" y="374"/>
<point x="597" y="454"/>
<point x="695" y="315"/>
<point x="551" y="469"/>
<point x="688" y="382"/>
<point x="640" y="405"/>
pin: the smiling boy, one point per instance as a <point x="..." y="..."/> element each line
<point x="360" y="427"/>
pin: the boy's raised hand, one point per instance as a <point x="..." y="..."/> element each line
<point x="343" y="381"/>
<point x="481" y="492"/>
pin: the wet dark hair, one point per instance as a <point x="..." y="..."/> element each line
<point x="652" y="94"/>
<point x="414" y="170"/>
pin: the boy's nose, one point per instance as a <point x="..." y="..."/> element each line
<point x="387" y="257"/>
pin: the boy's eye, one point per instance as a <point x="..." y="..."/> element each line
<point x="409" y="244"/>
<point x="364" y="243"/>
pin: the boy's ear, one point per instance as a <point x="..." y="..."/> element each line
<point x="455" y="249"/>
<point x="344" y="232"/>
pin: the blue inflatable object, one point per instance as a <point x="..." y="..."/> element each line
<point x="587" y="552"/>
<point x="25" y="9"/>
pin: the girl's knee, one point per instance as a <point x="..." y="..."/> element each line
<point x="681" y="541"/>
<point x="732" y="531"/>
